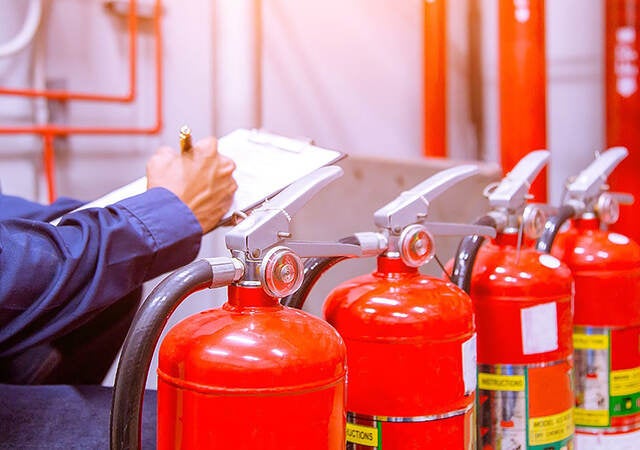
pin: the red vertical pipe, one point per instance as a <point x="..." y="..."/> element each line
<point x="623" y="103"/>
<point x="523" y="84"/>
<point x="48" y="158"/>
<point x="435" y="78"/>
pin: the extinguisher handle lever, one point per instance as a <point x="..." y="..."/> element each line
<point x="412" y="206"/>
<point x="512" y="192"/>
<point x="269" y="223"/>
<point x="459" y="229"/>
<point x="366" y="244"/>
<point x="591" y="181"/>
<point x="308" y="249"/>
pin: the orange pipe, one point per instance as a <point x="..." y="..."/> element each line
<point x="523" y="84"/>
<point x="70" y="95"/>
<point x="48" y="158"/>
<point x="623" y="103"/>
<point x="435" y="78"/>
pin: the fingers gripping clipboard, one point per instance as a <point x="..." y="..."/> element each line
<point x="265" y="164"/>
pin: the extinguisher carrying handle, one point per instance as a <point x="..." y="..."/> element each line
<point x="512" y="192"/>
<point x="143" y="336"/>
<point x="413" y="205"/>
<point x="370" y="244"/>
<point x="590" y="182"/>
<point x="583" y="191"/>
<point x="466" y="254"/>
<point x="270" y="223"/>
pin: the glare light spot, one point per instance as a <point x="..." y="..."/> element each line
<point x="602" y="254"/>
<point x="578" y="250"/>
<point x="277" y="352"/>
<point x="419" y="309"/>
<point x="217" y="352"/>
<point x="493" y="277"/>
<point x="549" y="261"/>
<point x="619" y="239"/>
<point x="240" y="339"/>
<point x="501" y="270"/>
<point x="400" y="315"/>
<point x="511" y="279"/>
<point x="385" y="301"/>
<point x="370" y="310"/>
<point x="525" y="275"/>
<point x="251" y="358"/>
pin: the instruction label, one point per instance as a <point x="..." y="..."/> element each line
<point x="625" y="382"/>
<point x="583" y="341"/>
<point x="494" y="382"/>
<point x="550" y="429"/>
<point x="362" y="435"/>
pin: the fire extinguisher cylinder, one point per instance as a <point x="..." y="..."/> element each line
<point x="523" y="304"/>
<point x="606" y="268"/>
<point x="227" y="376"/>
<point x="410" y="338"/>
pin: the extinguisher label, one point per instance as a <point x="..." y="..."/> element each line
<point x="604" y="395"/>
<point x="510" y="400"/>
<point x="539" y="328"/>
<point x="625" y="382"/>
<point x="551" y="429"/>
<point x="493" y="382"/>
<point x="469" y="364"/>
<point x="362" y="435"/>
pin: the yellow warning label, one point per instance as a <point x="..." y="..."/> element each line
<point x="591" y="417"/>
<point x="494" y="382"/>
<point x="625" y="382"/>
<point x="549" y="429"/>
<point x="360" y="434"/>
<point x="590" y="341"/>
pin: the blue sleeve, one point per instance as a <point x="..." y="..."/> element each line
<point x="55" y="278"/>
<point x="15" y="207"/>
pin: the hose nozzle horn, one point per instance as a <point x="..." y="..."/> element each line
<point x="586" y="193"/>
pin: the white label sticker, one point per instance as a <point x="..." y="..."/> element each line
<point x="619" y="239"/>
<point x="622" y="441"/>
<point x="469" y="362"/>
<point x="539" y="328"/>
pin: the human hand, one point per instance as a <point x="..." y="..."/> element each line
<point x="201" y="178"/>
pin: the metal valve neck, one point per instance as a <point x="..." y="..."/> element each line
<point x="250" y="296"/>
<point x="394" y="265"/>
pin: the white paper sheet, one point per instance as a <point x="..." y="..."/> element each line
<point x="265" y="164"/>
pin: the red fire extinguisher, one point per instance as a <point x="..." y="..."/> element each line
<point x="523" y="300"/>
<point x="606" y="333"/>
<point x="410" y="338"/>
<point x="249" y="375"/>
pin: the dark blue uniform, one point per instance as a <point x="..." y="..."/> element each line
<point x="67" y="296"/>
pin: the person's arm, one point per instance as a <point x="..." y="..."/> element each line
<point x="12" y="207"/>
<point x="55" y="278"/>
<point x="52" y="279"/>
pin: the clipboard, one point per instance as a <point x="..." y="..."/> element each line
<point x="266" y="163"/>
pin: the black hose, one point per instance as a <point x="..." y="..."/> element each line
<point x="466" y="255"/>
<point x="552" y="226"/>
<point x="313" y="270"/>
<point x="131" y="377"/>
